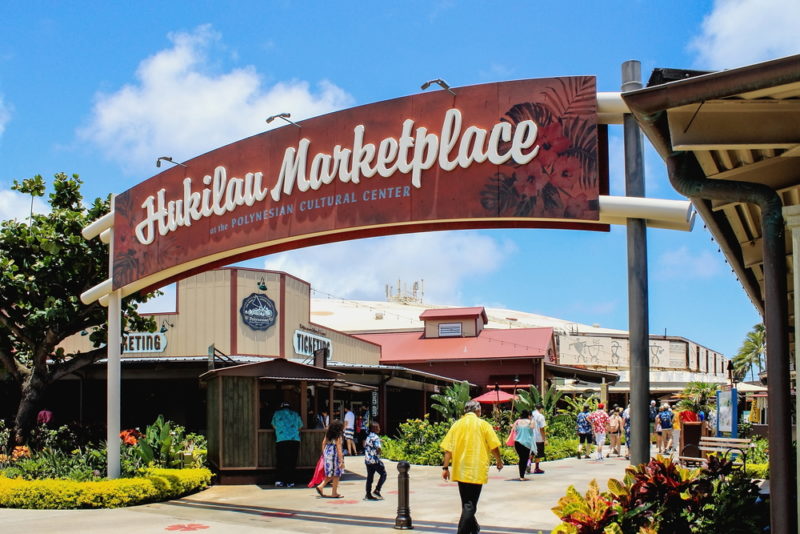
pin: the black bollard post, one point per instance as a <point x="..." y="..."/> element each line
<point x="403" y="519"/>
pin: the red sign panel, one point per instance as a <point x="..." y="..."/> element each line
<point x="514" y="154"/>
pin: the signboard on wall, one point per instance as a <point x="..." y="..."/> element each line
<point x="258" y="311"/>
<point x="511" y="154"/>
<point x="139" y="342"/>
<point x="306" y="343"/>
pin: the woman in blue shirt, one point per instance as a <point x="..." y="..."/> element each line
<point x="523" y="441"/>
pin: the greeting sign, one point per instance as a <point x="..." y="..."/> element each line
<point x="518" y="154"/>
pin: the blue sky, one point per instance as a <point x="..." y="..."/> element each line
<point x="103" y="88"/>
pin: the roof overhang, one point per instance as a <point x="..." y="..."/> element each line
<point x="741" y="125"/>
<point x="579" y="373"/>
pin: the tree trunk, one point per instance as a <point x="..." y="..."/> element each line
<point x="32" y="390"/>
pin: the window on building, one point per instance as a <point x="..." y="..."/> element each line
<point x="449" y="329"/>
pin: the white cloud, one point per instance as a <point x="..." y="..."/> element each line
<point x="14" y="205"/>
<point x="5" y="115"/>
<point x="741" y="32"/>
<point x="683" y="264"/>
<point x="361" y="269"/>
<point x="179" y="107"/>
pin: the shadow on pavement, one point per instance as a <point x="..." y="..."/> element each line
<point x="339" y="519"/>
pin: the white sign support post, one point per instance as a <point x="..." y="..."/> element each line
<point x="103" y="227"/>
<point x="114" y="379"/>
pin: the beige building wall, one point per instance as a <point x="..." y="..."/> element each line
<point x="208" y="313"/>
<point x="258" y="342"/>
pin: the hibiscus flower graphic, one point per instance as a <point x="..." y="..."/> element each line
<point x="561" y="181"/>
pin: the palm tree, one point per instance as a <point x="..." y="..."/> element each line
<point x="698" y="396"/>
<point x="752" y="352"/>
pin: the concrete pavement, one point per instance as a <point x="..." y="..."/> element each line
<point x="507" y="505"/>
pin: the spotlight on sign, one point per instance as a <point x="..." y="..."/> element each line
<point x="262" y="285"/>
<point x="440" y="82"/>
<point x="168" y="159"/>
<point x="284" y="116"/>
<point x="165" y="325"/>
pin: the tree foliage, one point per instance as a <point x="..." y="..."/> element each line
<point x="45" y="265"/>
<point x="527" y="400"/>
<point x="752" y="352"/>
<point x="450" y="403"/>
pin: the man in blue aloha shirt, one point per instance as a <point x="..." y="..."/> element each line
<point x="287" y="425"/>
<point x="372" y="457"/>
<point x="584" y="428"/>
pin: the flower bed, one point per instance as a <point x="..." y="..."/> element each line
<point x="156" y="485"/>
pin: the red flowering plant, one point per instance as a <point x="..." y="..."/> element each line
<point x="561" y="180"/>
<point x="130" y="436"/>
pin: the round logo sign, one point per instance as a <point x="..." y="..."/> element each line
<point x="258" y="311"/>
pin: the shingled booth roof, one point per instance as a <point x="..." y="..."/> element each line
<point x="281" y="369"/>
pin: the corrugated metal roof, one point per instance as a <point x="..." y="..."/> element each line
<point x="489" y="344"/>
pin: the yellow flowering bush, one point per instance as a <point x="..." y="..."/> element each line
<point x="156" y="485"/>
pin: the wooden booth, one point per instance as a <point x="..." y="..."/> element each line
<point x="241" y="402"/>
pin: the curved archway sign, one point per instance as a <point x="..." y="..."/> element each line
<point x="512" y="154"/>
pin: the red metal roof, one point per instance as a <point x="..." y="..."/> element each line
<point x="455" y="313"/>
<point x="402" y="347"/>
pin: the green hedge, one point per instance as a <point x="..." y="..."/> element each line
<point x="156" y="485"/>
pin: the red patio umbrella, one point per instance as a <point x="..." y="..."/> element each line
<point x="495" y="397"/>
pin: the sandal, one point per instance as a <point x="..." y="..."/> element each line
<point x="319" y="491"/>
<point x="337" y="496"/>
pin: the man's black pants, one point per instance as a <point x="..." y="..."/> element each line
<point x="286" y="452"/>
<point x="371" y="470"/>
<point x="470" y="493"/>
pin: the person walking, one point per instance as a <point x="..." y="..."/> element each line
<point x="539" y="437"/>
<point x="333" y="459"/>
<point x="626" y="419"/>
<point x="584" y="428"/>
<point x="615" y="432"/>
<point x="372" y="459"/>
<point x="676" y="429"/>
<point x="652" y="414"/>
<point x="287" y="424"/>
<point x="665" y="423"/>
<point x="599" y="421"/>
<point x="523" y="440"/>
<point x="468" y="444"/>
<point x="349" y="431"/>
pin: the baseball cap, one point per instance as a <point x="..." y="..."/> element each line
<point x="601" y="406"/>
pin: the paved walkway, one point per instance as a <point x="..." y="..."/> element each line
<point x="507" y="505"/>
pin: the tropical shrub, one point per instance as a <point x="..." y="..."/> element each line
<point x="527" y="400"/>
<point x="154" y="485"/>
<point x="661" y="496"/>
<point x="450" y="403"/>
<point x="417" y="442"/>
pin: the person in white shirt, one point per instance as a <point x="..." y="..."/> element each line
<point x="539" y="436"/>
<point x="349" y="431"/>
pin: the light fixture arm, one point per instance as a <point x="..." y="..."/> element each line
<point x="284" y="116"/>
<point x="168" y="159"/>
<point x="440" y="82"/>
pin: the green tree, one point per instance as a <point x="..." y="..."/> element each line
<point x="450" y="403"/>
<point x="45" y="264"/>
<point x="751" y="353"/>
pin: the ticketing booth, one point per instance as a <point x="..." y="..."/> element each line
<point x="240" y="403"/>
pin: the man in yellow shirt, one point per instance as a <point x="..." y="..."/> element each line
<point x="468" y="444"/>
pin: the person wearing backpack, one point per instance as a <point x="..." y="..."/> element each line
<point x="665" y="422"/>
<point x="614" y="429"/>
